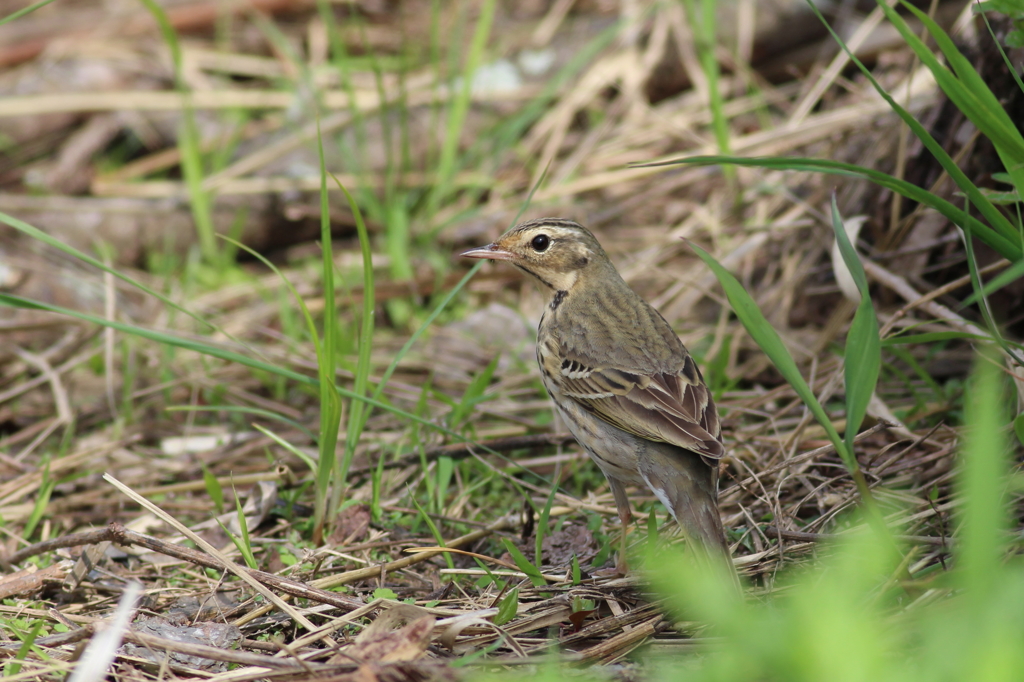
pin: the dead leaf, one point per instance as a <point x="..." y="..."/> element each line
<point x="559" y="547"/>
<point x="401" y="633"/>
<point x="351" y="525"/>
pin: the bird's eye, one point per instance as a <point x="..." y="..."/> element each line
<point x="540" y="243"/>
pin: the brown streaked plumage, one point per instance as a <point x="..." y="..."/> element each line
<point x="624" y="383"/>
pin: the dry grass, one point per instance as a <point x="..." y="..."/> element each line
<point x="641" y="99"/>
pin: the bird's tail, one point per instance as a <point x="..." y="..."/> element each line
<point x="689" y="488"/>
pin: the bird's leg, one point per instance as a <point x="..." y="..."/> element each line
<point x="625" y="516"/>
<point x="621" y="566"/>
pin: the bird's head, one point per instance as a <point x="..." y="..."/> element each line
<point x="557" y="252"/>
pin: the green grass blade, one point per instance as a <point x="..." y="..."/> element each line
<point x="986" y="311"/>
<point x="444" y="471"/>
<point x="1010" y="68"/>
<point x="189" y="144"/>
<point x="998" y="221"/>
<point x="330" y="402"/>
<point x="22" y="12"/>
<point x="245" y="409"/>
<point x="306" y="315"/>
<point x="474" y="394"/>
<point x="27" y="646"/>
<point x="213" y="489"/>
<point x="524" y="565"/>
<point x="931" y="337"/>
<point x="438" y="309"/>
<point x="39" y="235"/>
<point x="438" y="538"/>
<point x="359" y="411"/>
<point x="1004" y="240"/>
<point x="967" y="90"/>
<point x="45" y="490"/>
<point x="508" y="608"/>
<point x="863" y="359"/>
<point x="542" y="525"/>
<point x="244" y="542"/>
<point x="328" y="466"/>
<point x="494" y="580"/>
<point x="703" y="21"/>
<point x="460" y="108"/>
<point x="1004" y="278"/>
<point x="863" y="362"/>
<point x="770" y="342"/>
<point x="223" y="354"/>
<point x="306" y="459"/>
<point x="982" y="482"/>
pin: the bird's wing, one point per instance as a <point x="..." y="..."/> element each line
<point x="669" y="407"/>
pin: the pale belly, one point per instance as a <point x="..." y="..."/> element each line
<point x="611" y="448"/>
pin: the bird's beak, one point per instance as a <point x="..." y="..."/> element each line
<point x="491" y="251"/>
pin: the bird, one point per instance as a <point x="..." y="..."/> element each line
<point x="621" y="380"/>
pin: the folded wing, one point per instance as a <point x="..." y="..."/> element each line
<point x="669" y="407"/>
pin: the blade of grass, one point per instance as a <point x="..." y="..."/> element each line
<point x="433" y="530"/>
<point x="524" y="564"/>
<point x="983" y="479"/>
<point x="213" y="489"/>
<point x="705" y="30"/>
<point x="306" y="459"/>
<point x="473" y="395"/>
<point x="982" y="9"/>
<point x="22" y="12"/>
<point x="242" y="542"/>
<point x="440" y="307"/>
<point x="770" y="342"/>
<point x="967" y="90"/>
<point x="491" y="577"/>
<point x="245" y="409"/>
<point x="189" y="144"/>
<point x="27" y="646"/>
<point x="443" y="472"/>
<point x="986" y="311"/>
<point x="863" y="353"/>
<point x="460" y="108"/>
<point x="39" y="235"/>
<point x="359" y="411"/>
<point x="542" y="525"/>
<point x="931" y="337"/>
<point x="1008" y="246"/>
<point x="175" y="341"/>
<point x="43" y="493"/>
<point x="508" y="608"/>
<point x="1004" y="278"/>
<point x="330" y="403"/>
<point x="996" y="219"/>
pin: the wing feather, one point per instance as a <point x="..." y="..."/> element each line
<point x="670" y="407"/>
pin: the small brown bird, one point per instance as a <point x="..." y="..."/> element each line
<point x="621" y="379"/>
